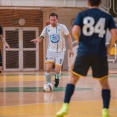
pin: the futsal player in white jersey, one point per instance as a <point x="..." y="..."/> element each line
<point x="56" y="33"/>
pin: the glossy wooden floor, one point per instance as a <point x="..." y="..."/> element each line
<point x="21" y="95"/>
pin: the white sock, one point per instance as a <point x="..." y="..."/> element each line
<point x="58" y="75"/>
<point x="48" y="77"/>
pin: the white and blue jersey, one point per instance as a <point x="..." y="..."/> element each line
<point x="94" y="24"/>
<point x="56" y="36"/>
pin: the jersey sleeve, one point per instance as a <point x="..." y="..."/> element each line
<point x="44" y="32"/>
<point x="111" y="23"/>
<point x="78" y="20"/>
<point x="66" y="32"/>
<point x="0" y="30"/>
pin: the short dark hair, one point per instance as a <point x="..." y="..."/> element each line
<point x="94" y="2"/>
<point x="53" y="14"/>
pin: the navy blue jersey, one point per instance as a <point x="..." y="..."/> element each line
<point x="94" y="24"/>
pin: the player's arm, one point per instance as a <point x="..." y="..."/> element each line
<point x="69" y="41"/>
<point x="70" y="45"/>
<point x="67" y="34"/>
<point x="113" y="39"/>
<point x="113" y="30"/>
<point x="77" y="27"/>
<point x="76" y="32"/>
<point x="37" y="40"/>
<point x="4" y="42"/>
<point x="41" y="37"/>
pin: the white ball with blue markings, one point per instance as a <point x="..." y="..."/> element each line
<point x="48" y="87"/>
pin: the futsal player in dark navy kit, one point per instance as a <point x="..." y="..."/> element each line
<point x="89" y="30"/>
<point x="7" y="46"/>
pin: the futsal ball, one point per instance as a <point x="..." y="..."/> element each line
<point x="48" y="87"/>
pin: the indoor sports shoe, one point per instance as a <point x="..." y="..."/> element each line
<point x="63" y="111"/>
<point x="105" y="113"/>
<point x="56" y="82"/>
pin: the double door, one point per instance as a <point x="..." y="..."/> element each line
<point x="23" y="55"/>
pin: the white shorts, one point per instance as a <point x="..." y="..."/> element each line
<point x="55" y="57"/>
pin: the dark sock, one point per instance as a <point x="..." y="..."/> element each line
<point x="106" y="98"/>
<point x="68" y="93"/>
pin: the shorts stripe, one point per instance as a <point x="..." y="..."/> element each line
<point x="58" y="65"/>
<point x="47" y="61"/>
<point x="76" y="74"/>
<point x="101" y="77"/>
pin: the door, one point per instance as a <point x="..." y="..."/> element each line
<point x="23" y="54"/>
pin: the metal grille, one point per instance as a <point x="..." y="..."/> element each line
<point x="12" y="37"/>
<point x="27" y="37"/>
<point x="106" y="3"/>
<point x="12" y="59"/>
<point x="115" y="6"/>
<point x="29" y="59"/>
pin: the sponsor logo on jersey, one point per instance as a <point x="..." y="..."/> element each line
<point x="54" y="38"/>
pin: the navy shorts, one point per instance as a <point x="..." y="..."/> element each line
<point x="98" y="65"/>
<point x="0" y="58"/>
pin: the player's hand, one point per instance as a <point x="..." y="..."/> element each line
<point x="35" y="40"/>
<point x="71" y="54"/>
<point x="108" y="51"/>
<point x="7" y="45"/>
